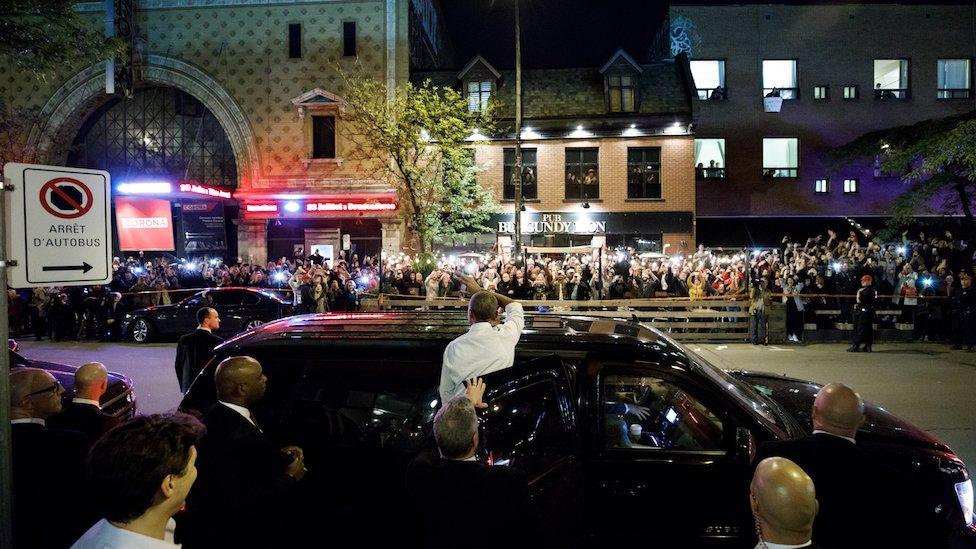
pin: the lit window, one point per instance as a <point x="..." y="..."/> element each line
<point x="821" y="186"/>
<point x="709" y="76"/>
<point x="850" y="186"/>
<point x="622" y="89"/>
<point x="582" y="174"/>
<point x="644" y="173"/>
<point x="890" y="79"/>
<point x="850" y="93"/>
<point x="530" y="188"/>
<point x="821" y="93"/>
<point x="479" y="92"/>
<point x="779" y="76"/>
<point x="710" y="158"/>
<point x="781" y="157"/>
<point x="955" y="80"/>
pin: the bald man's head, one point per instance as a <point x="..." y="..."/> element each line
<point x="838" y="410"/>
<point x="240" y="380"/>
<point x="34" y="393"/>
<point x="784" y="501"/>
<point x="91" y="380"/>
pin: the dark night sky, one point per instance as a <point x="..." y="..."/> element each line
<point x="567" y="33"/>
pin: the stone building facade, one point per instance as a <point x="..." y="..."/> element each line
<point x="265" y="69"/>
<point x="921" y="56"/>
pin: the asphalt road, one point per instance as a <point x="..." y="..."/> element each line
<point x="926" y="384"/>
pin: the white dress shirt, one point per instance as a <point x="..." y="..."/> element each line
<point x="482" y="350"/>
<point x="240" y="410"/>
<point x="769" y="545"/>
<point x="105" y="535"/>
<point x="36" y="420"/>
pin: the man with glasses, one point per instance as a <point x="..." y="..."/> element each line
<point x="45" y="461"/>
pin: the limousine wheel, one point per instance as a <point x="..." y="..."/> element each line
<point x="141" y="330"/>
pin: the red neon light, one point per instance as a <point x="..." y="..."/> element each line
<point x="349" y="206"/>
<point x="255" y="208"/>
<point x="200" y="189"/>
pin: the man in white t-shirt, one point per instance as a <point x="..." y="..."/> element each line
<point x="488" y="345"/>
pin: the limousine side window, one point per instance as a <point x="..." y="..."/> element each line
<point x="642" y="412"/>
<point x="529" y="428"/>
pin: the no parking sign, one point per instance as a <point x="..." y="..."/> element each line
<point x="58" y="227"/>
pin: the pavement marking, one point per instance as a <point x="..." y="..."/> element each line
<point x="775" y="348"/>
<point x="721" y="347"/>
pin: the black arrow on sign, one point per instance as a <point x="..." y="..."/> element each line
<point x="84" y="267"/>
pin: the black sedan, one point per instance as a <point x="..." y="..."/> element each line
<point x="119" y="400"/>
<point x="239" y="309"/>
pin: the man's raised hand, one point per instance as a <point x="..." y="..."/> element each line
<point x="474" y="388"/>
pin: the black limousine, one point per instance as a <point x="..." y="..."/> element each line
<point x="359" y="391"/>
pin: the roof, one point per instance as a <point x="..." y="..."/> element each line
<point x="439" y="327"/>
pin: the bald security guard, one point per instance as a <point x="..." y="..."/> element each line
<point x="84" y="414"/>
<point x="784" y="504"/>
<point x="863" y="502"/>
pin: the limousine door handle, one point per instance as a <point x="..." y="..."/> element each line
<point x="624" y="488"/>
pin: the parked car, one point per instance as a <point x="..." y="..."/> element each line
<point x="119" y="399"/>
<point x="359" y="391"/>
<point x="239" y="308"/>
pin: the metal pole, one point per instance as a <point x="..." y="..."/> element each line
<point x="6" y="462"/>
<point x="518" y="135"/>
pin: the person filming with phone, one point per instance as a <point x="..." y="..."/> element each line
<point x="487" y="346"/>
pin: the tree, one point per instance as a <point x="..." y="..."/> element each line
<point x="45" y="37"/>
<point x="15" y="126"/>
<point x="423" y="130"/>
<point x="937" y="159"/>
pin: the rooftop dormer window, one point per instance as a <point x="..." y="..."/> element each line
<point x="478" y="82"/>
<point x="621" y="75"/>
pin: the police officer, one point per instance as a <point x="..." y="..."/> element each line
<point x="864" y="316"/>
<point x="963" y="308"/>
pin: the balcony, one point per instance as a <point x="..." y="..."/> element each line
<point x="954" y="93"/>
<point x="897" y="94"/>
<point x="709" y="173"/>
<point x="712" y="94"/>
<point x="777" y="173"/>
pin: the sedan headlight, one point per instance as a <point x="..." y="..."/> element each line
<point x="964" y="491"/>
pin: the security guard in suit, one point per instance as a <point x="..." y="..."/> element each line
<point x="963" y="307"/>
<point x="864" y="316"/>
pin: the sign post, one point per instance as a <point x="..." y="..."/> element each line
<point x="54" y="231"/>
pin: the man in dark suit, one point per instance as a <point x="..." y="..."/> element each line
<point x="195" y="349"/>
<point x="784" y="504"/>
<point x="45" y="514"/>
<point x="848" y="479"/>
<point x="245" y="485"/>
<point x="84" y="414"/>
<point x="463" y="486"/>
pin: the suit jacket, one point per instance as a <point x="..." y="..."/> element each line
<point x="242" y="492"/>
<point x="455" y="496"/>
<point x="48" y="474"/>
<point x="86" y="419"/>
<point x="192" y="353"/>
<point x="863" y="502"/>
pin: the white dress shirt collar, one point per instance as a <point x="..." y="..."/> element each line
<point x="105" y="535"/>
<point x="769" y="545"/>
<point x="849" y="439"/>
<point x="77" y="400"/>
<point x="36" y="420"/>
<point x="240" y="410"/>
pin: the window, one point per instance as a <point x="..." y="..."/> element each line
<point x="294" y="41"/>
<point x="709" y="76"/>
<point x="710" y="158"/>
<point x="954" y="79"/>
<point x="779" y="75"/>
<point x="850" y="93"/>
<point x="530" y="189"/>
<point x="622" y="91"/>
<point x="675" y="419"/>
<point x="527" y="428"/>
<point x="479" y="92"/>
<point x="323" y="137"/>
<point x="644" y="173"/>
<point x="349" y="39"/>
<point x="851" y="186"/>
<point x="890" y="79"/>
<point x="821" y="186"/>
<point x="582" y="174"/>
<point x="821" y="93"/>
<point x="781" y="157"/>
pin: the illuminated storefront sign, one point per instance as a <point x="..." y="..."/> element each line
<point x="260" y="208"/>
<point x="299" y="208"/>
<point x="200" y="189"/>
<point x="349" y="206"/>
<point x="555" y="223"/>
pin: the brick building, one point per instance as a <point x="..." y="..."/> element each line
<point x="239" y="95"/>
<point x="842" y="71"/>
<point x="607" y="151"/>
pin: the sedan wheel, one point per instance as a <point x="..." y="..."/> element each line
<point x="253" y="323"/>
<point x="140" y="330"/>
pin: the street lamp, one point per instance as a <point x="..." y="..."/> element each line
<point x="519" y="207"/>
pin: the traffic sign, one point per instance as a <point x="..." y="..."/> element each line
<point x="58" y="226"/>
